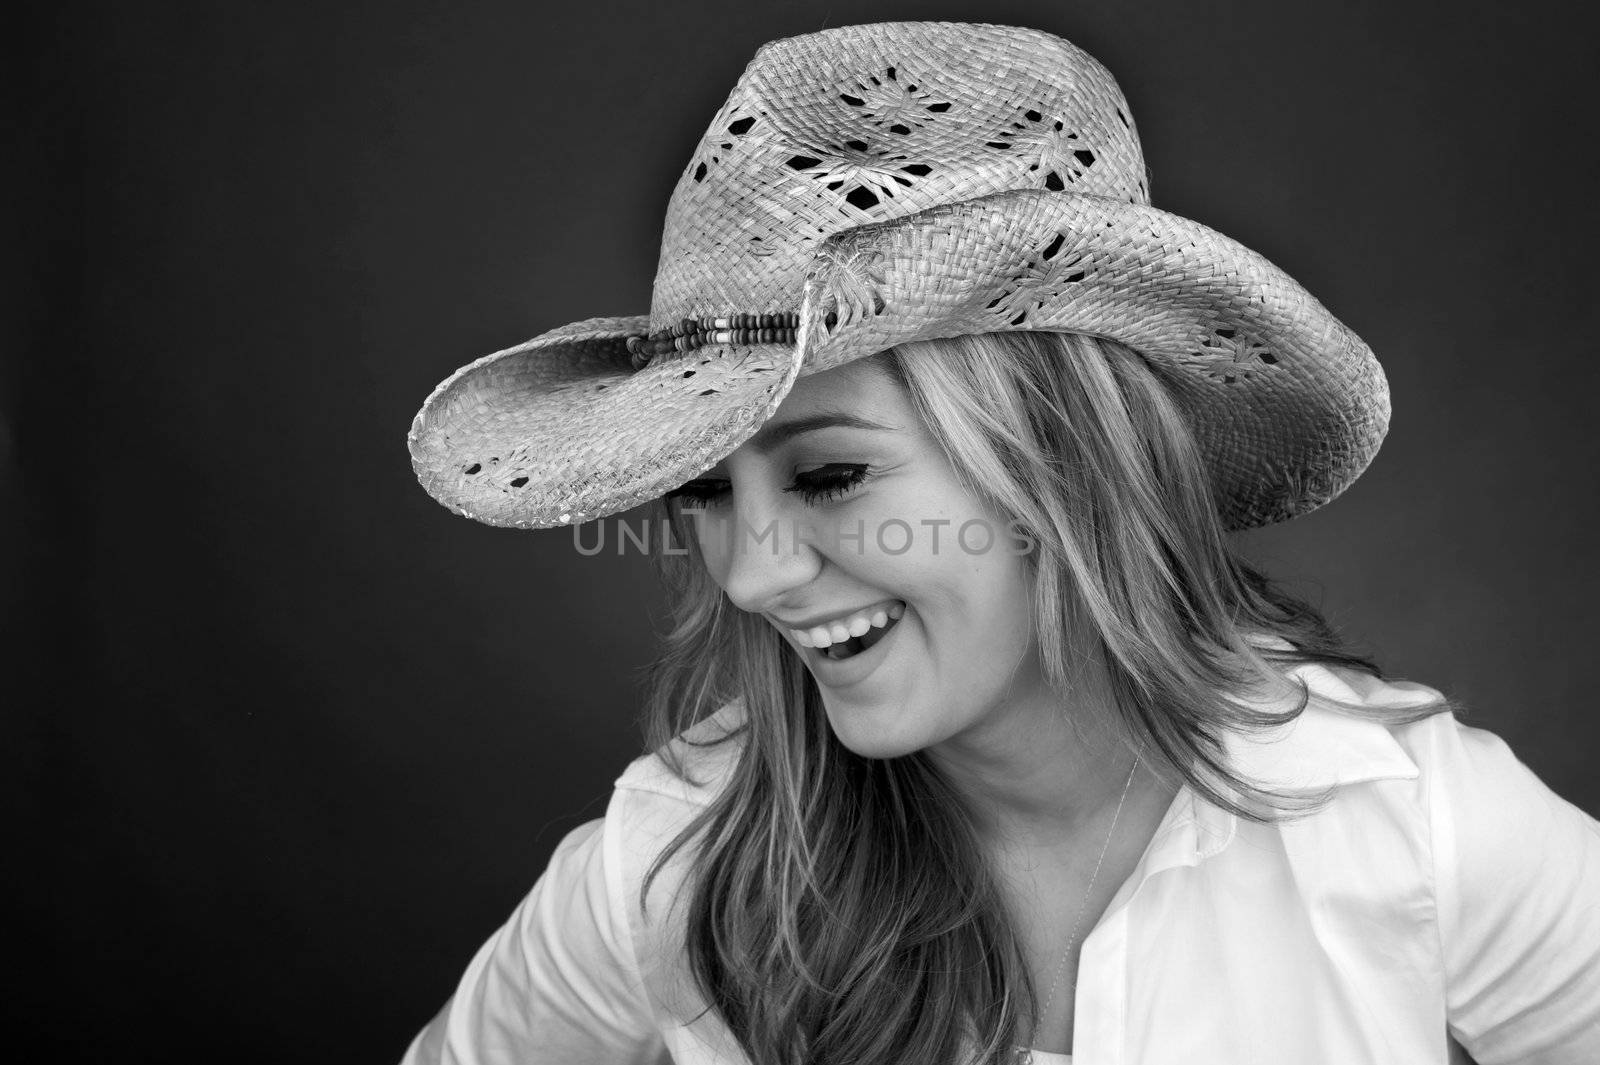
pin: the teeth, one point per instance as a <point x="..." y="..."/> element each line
<point x="824" y="636"/>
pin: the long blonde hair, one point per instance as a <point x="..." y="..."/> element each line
<point x="841" y="910"/>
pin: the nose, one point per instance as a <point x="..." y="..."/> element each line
<point x="761" y="554"/>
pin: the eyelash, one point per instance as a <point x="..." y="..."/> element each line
<point x="821" y="485"/>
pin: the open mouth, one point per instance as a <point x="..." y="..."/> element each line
<point x="852" y="635"/>
<point x="856" y="644"/>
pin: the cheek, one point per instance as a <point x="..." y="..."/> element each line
<point x="960" y="567"/>
<point x="976" y="609"/>
<point x="1008" y="587"/>
<point x="995" y="614"/>
<point x="708" y="532"/>
<point x="988" y="653"/>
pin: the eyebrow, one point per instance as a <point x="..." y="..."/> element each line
<point x="775" y="434"/>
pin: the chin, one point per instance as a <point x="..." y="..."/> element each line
<point x="875" y="732"/>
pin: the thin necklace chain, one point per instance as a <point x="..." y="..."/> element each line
<point x="1044" y="1014"/>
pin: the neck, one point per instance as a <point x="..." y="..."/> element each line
<point x="1040" y="767"/>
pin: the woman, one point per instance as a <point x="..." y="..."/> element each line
<point x="975" y="739"/>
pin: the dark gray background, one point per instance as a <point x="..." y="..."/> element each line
<point x="304" y="738"/>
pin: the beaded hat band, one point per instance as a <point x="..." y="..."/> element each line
<point x="692" y="333"/>
<point x="869" y="186"/>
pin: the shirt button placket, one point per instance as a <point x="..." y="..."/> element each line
<point x="1101" y="1007"/>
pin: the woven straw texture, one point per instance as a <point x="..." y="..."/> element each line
<point x="899" y="182"/>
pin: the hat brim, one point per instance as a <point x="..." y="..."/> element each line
<point x="561" y="429"/>
<point x="1288" y="405"/>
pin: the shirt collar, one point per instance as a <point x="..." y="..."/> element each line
<point x="1337" y="740"/>
<point x="1329" y="745"/>
<point x="1325" y="747"/>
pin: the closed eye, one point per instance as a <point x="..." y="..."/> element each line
<point x="823" y="484"/>
<point x="828" y="482"/>
<point x="700" y="491"/>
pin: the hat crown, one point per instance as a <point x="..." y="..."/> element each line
<point x="860" y="124"/>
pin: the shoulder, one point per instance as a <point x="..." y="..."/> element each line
<point x="652" y="805"/>
<point x="1357" y="728"/>
<point x="662" y="792"/>
<point x="1351" y="731"/>
<point x="1498" y="832"/>
<point x="1435" y="833"/>
<point x="1391" y="751"/>
<point x="707" y="754"/>
<point x="1514" y="868"/>
<point x="1381" y="757"/>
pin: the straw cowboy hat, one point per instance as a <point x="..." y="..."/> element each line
<point x="872" y="185"/>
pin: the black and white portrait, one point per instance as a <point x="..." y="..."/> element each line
<point x="806" y="535"/>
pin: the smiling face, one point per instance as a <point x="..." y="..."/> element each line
<point x="844" y="526"/>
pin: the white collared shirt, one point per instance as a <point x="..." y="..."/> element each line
<point x="1443" y="892"/>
